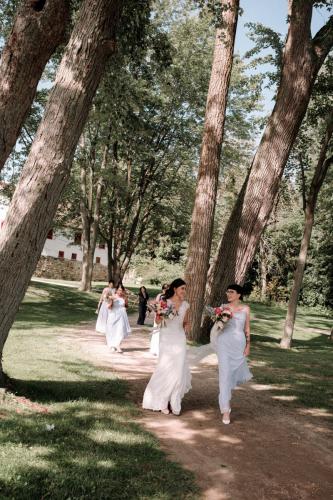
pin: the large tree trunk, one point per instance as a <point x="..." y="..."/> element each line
<point x="317" y="181"/>
<point x="302" y="59"/>
<point x="47" y="168"/>
<point x="39" y="27"/>
<point x="209" y="167"/>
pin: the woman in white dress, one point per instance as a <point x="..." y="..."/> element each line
<point x="233" y="345"/>
<point x="102" y="307"/>
<point x="155" y="334"/>
<point x="117" y="326"/>
<point x="171" y="378"/>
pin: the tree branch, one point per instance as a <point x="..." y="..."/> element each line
<point x="323" y="40"/>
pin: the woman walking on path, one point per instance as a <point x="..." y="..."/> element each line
<point x="117" y="326"/>
<point x="143" y="299"/>
<point x="233" y="345"/>
<point x="171" y="378"/>
<point x="155" y="335"/>
<point x="102" y="308"/>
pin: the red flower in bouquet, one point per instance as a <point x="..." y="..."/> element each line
<point x="164" y="311"/>
<point x="219" y="315"/>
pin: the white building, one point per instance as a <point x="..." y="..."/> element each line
<point x="61" y="245"/>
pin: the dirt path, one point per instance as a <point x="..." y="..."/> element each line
<point x="268" y="452"/>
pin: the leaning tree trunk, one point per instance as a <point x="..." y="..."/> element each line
<point x="39" y="27"/>
<point x="317" y="181"/>
<point x="47" y="168"/>
<point x="209" y="168"/>
<point x="302" y="59"/>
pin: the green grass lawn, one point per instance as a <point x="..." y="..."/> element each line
<point x="87" y="445"/>
<point x="303" y="375"/>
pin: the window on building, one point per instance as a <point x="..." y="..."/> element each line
<point x="74" y="256"/>
<point x="101" y="245"/>
<point x="50" y="235"/>
<point x="98" y="260"/>
<point x="61" y="254"/>
<point x="77" y="238"/>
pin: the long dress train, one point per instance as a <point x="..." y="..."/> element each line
<point x="154" y="348"/>
<point x="172" y="377"/>
<point x="117" y="326"/>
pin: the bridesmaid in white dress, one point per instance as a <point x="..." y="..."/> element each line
<point x="233" y="345"/>
<point x="171" y="378"/>
<point x="102" y="307"/>
<point x="155" y="334"/>
<point x="117" y="326"/>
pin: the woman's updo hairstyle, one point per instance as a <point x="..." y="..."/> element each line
<point x="171" y="290"/>
<point x="239" y="289"/>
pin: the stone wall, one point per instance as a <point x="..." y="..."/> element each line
<point x="51" y="267"/>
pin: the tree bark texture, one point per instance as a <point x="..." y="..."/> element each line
<point x="47" y="168"/>
<point x="39" y="27"/>
<point x="317" y="181"/>
<point x="209" y="167"/>
<point x="302" y="59"/>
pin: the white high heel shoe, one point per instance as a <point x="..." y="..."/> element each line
<point x="226" y="420"/>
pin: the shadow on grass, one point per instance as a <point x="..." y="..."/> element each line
<point x="302" y="375"/>
<point x="60" y="306"/>
<point x="93" y="450"/>
<point x="50" y="391"/>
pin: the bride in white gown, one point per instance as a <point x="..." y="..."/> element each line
<point x="171" y="378"/>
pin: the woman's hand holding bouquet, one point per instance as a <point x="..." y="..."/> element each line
<point x="219" y="315"/>
<point x="163" y="312"/>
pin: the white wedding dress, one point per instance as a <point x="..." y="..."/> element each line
<point x="117" y="326"/>
<point x="172" y="377"/>
<point x="104" y="311"/>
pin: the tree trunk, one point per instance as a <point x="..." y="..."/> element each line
<point x="87" y="268"/>
<point x="209" y="167"/>
<point x="317" y="181"/>
<point x="114" y="270"/>
<point x="263" y="270"/>
<point x="47" y="168"/>
<point x="302" y="59"/>
<point x="90" y="213"/>
<point x="39" y="27"/>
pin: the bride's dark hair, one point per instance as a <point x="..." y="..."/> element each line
<point x="171" y="290"/>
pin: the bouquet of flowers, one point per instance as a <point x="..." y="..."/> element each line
<point x="164" y="311"/>
<point x="219" y="315"/>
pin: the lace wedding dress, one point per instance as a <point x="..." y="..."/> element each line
<point x="171" y="378"/>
